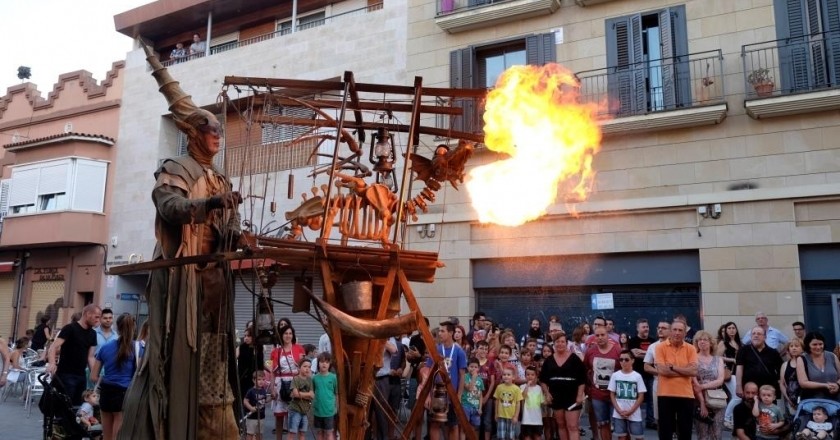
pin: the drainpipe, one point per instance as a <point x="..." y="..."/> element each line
<point x="19" y="294"/>
<point x="294" y="16"/>
<point x="209" y="31"/>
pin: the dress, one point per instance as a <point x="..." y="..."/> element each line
<point x="827" y="374"/>
<point x="190" y="316"/>
<point x="707" y="371"/>
<point x="563" y="380"/>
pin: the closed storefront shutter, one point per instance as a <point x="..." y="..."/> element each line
<point x="7" y="312"/>
<point x="47" y="297"/>
<point x="307" y="328"/>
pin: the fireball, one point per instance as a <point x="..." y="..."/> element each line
<point x="534" y="116"/>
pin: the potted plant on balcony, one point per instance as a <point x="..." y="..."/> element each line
<point x="761" y="81"/>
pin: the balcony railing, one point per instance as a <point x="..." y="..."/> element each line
<point x="445" y="7"/>
<point x="301" y="27"/>
<point x="792" y="65"/>
<point x="655" y="85"/>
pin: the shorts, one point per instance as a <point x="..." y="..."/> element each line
<point x="253" y="426"/>
<point x="603" y="411"/>
<point x="506" y="429"/>
<point x="298" y="422"/>
<point x="473" y="416"/>
<point x="622" y="426"/>
<point x="487" y="414"/>
<point x="111" y="398"/>
<point x="324" y="423"/>
<point x="532" y="430"/>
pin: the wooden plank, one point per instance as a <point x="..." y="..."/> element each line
<point x="401" y="128"/>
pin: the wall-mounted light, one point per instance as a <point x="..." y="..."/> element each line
<point x="426" y="231"/>
<point x="711" y="210"/>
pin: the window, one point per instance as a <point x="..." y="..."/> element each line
<point x="273" y="133"/>
<point x="809" y="53"/>
<point x="480" y="67"/>
<point x="304" y="22"/>
<point x="66" y="184"/>
<point x="647" y="61"/>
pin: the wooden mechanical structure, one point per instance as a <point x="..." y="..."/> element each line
<point x="369" y="210"/>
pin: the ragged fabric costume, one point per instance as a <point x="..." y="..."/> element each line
<point x="187" y="386"/>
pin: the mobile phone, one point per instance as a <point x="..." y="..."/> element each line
<point x="575" y="407"/>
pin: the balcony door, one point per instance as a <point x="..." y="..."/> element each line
<point x="646" y="69"/>
<point x="809" y="44"/>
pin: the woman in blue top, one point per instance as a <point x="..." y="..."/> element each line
<point x="120" y="363"/>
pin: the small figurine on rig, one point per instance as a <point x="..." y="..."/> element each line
<point x="818" y="427"/>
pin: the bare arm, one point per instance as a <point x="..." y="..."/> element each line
<point x="91" y="358"/>
<point x="95" y="371"/>
<point x="51" y="354"/>
<point x="739" y="380"/>
<point x="7" y="361"/>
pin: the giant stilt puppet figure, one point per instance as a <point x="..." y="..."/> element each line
<point x="187" y="387"/>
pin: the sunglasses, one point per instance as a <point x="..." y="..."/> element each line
<point x="625" y="359"/>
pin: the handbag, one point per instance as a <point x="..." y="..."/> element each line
<point x="715" y="399"/>
<point x="286" y="390"/>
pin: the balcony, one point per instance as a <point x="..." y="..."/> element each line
<point x="232" y="45"/>
<point x="793" y="75"/>
<point x="461" y="15"/>
<point x="664" y="94"/>
<point x="60" y="228"/>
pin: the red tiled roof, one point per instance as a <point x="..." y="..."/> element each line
<point x="58" y="138"/>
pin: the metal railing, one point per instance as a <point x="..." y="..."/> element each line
<point x="445" y="7"/>
<point x="791" y="65"/>
<point x="655" y="85"/>
<point x="303" y="26"/>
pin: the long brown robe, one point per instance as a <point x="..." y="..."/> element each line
<point x="189" y="307"/>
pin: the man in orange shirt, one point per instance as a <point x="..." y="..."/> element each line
<point x="676" y="364"/>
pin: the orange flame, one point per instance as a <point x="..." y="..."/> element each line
<point x="534" y="116"/>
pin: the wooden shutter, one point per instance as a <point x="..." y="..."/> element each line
<point x="7" y="311"/>
<point x="831" y="14"/>
<point x="794" y="59"/>
<point x="676" y="69"/>
<point x="461" y="66"/>
<point x="626" y="79"/>
<point x="540" y="49"/>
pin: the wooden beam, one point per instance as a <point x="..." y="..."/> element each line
<point x="278" y="83"/>
<point x="400" y="128"/>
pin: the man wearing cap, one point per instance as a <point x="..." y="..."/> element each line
<point x="773" y="337"/>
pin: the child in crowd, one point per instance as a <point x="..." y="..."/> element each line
<point x="301" y="403"/>
<point x="532" y="395"/>
<point x="818" y="427"/>
<point x="508" y="396"/>
<point x="627" y="392"/>
<point x="487" y="372"/>
<point x="324" y="407"/>
<point x="311" y="352"/>
<point x="526" y="359"/>
<point x="532" y="345"/>
<point x="472" y="399"/>
<point x="254" y="402"/>
<point x="766" y="413"/>
<point x="85" y="415"/>
<point x="503" y="361"/>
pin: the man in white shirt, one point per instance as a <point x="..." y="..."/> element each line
<point x="774" y="338"/>
<point x="663" y="330"/>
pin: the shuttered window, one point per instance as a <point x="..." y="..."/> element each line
<point x="809" y="46"/>
<point x="77" y="184"/>
<point x="47" y="298"/>
<point x="274" y="133"/>
<point x="477" y="66"/>
<point x="647" y="61"/>
<point x="7" y="311"/>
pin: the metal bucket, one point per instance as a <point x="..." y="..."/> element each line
<point x="357" y="295"/>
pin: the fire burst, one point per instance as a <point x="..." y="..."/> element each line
<point x="534" y="116"/>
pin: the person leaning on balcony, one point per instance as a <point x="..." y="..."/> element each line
<point x="178" y="52"/>
<point x="197" y="47"/>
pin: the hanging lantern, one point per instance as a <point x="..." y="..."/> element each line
<point x="265" y="309"/>
<point x="439" y="404"/>
<point x="382" y="157"/>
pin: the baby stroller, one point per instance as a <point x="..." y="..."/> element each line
<point x="805" y="411"/>
<point x="59" y="414"/>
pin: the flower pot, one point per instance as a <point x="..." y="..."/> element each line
<point x="764" y="90"/>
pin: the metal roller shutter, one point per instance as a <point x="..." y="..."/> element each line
<point x="7" y="311"/>
<point x="307" y="328"/>
<point x="47" y="297"/>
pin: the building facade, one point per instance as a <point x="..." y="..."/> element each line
<point x="717" y="187"/>
<point x="247" y="39"/>
<point x="58" y="168"/>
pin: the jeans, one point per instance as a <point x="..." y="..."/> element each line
<point x="648" y="404"/>
<point x="676" y="414"/>
<point x="733" y="402"/>
<point x="74" y="386"/>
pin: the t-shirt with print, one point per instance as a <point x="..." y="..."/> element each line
<point x="455" y="360"/>
<point x="326" y="388"/>
<point x="768" y="414"/>
<point x="303" y="385"/>
<point x="471" y="397"/>
<point x="486" y="372"/>
<point x="627" y="387"/>
<point x="532" y="404"/>
<point x="600" y="366"/>
<point x="507" y="399"/>
<point x="257" y="398"/>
